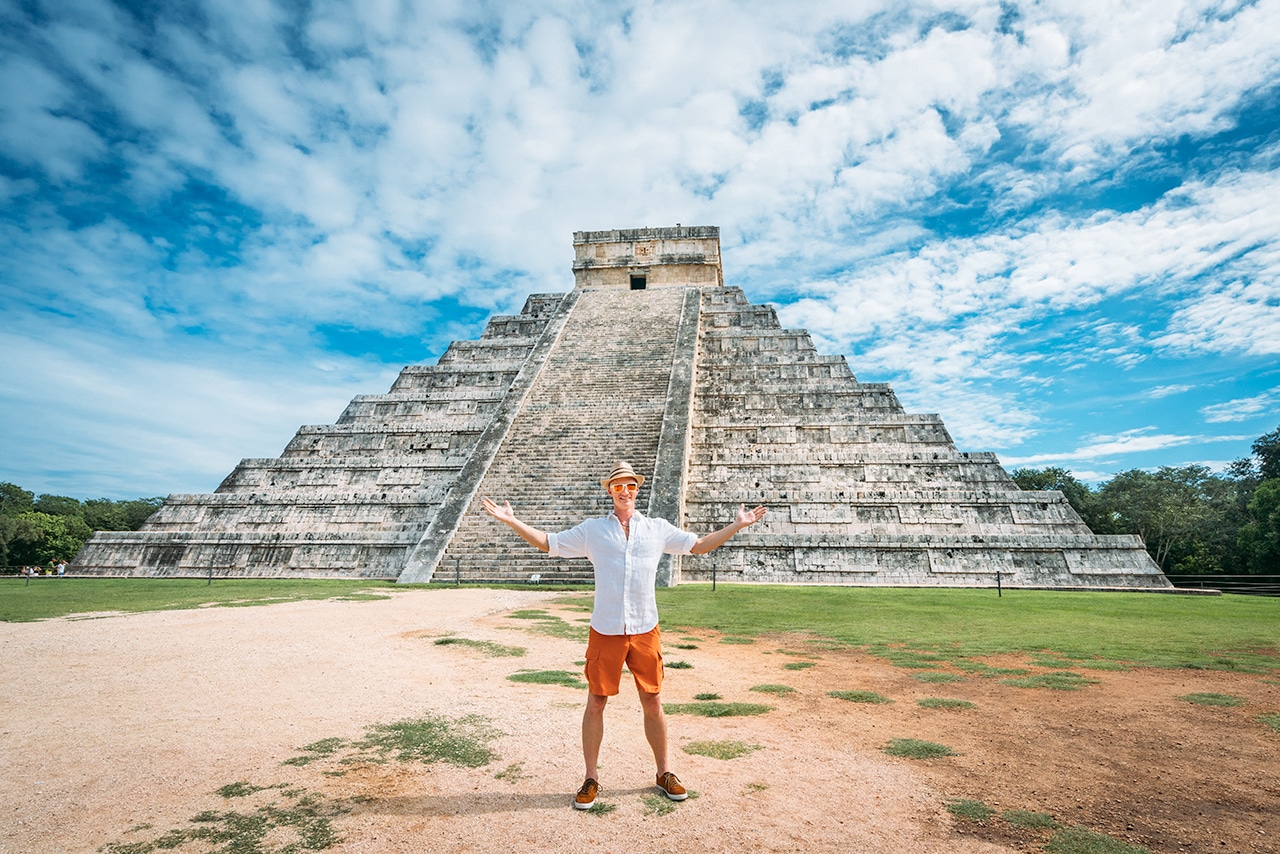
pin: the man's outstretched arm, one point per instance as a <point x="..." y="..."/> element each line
<point x="528" y="533"/>
<point x="746" y="518"/>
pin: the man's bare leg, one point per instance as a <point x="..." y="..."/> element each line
<point x="593" y="732"/>
<point x="655" y="729"/>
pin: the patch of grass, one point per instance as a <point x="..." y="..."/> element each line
<point x="1063" y="681"/>
<point x="601" y="808"/>
<point x="720" y="749"/>
<point x="513" y="773"/>
<point x="737" y="639"/>
<point x="1078" y="840"/>
<point x="757" y="787"/>
<point x="53" y="597"/>
<point x="770" y="688"/>
<point x="970" y="810"/>
<point x="1271" y="719"/>
<point x="677" y="665"/>
<point x="541" y="622"/>
<point x="1052" y="663"/>
<point x="658" y="805"/>
<point x="1032" y="820"/>
<point x="488" y="648"/>
<point x="240" y="790"/>
<point x="299" y="821"/>
<point x="914" y="748"/>
<point x="548" y="677"/>
<point x="1210" y="699"/>
<point x="937" y="677"/>
<point x="986" y="671"/>
<point x="707" y="697"/>
<point x="798" y="665"/>
<point x="859" y="696"/>
<point x="716" y="710"/>
<point x="432" y="738"/>
<point x="686" y="646"/>
<point x="1214" y="632"/>
<point x="943" y="703"/>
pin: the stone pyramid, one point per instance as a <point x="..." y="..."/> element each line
<point x="651" y="359"/>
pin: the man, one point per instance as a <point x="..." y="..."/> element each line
<point x="624" y="548"/>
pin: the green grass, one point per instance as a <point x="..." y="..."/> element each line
<point x="970" y="810"/>
<point x="944" y="703"/>
<point x="798" y="665"/>
<point x="707" y="697"/>
<point x="1061" y="681"/>
<point x="488" y="648"/>
<point x="859" y="696"/>
<point x="1078" y="840"/>
<point x="738" y="640"/>
<point x="541" y="622"/>
<point x="52" y="597"/>
<point x="677" y="665"/>
<point x="1271" y="719"/>
<point x="716" y="710"/>
<point x="936" y="677"/>
<point x="513" y="773"/>
<point x="770" y="688"/>
<point x="1215" y="632"/>
<point x="432" y="738"/>
<point x="298" y="821"/>
<point x="601" y="808"/>
<point x="914" y="748"/>
<point x="1210" y="699"/>
<point x="548" y="677"/>
<point x="1033" y="820"/>
<point x="686" y="646"/>
<point x="657" y="805"/>
<point x="720" y="749"/>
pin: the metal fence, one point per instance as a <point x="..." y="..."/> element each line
<point x="1253" y="585"/>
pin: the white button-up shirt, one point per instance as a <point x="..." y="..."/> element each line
<point x="625" y="569"/>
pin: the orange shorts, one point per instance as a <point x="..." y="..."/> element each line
<point x="607" y="653"/>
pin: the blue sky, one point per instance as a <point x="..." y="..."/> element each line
<point x="1054" y="223"/>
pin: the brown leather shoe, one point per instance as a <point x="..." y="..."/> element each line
<point x="670" y="785"/>
<point x="586" y="796"/>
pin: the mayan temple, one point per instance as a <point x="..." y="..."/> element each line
<point x="652" y="359"/>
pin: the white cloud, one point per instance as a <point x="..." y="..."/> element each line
<point x="1242" y="409"/>
<point x="1101" y="448"/>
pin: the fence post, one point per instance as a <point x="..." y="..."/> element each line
<point x="998" y="592"/>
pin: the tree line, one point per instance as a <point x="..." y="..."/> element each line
<point x="1192" y="519"/>
<point x="40" y="530"/>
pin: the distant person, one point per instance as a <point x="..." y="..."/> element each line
<point x="62" y="568"/>
<point x="624" y="548"/>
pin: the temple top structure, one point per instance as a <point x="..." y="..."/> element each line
<point x="641" y="258"/>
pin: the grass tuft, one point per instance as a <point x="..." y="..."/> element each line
<point x="937" y="677"/>
<point x="1271" y="719"/>
<point x="1210" y="699"/>
<point x="1078" y="840"/>
<point x="686" y="646"/>
<point x="716" y="710"/>
<point x="737" y="639"/>
<point x="513" y="773"/>
<point x="658" y="805"/>
<point x="1055" y="681"/>
<point x="433" y="738"/>
<point x="548" y="677"/>
<point x="1028" y="819"/>
<point x="677" y="665"/>
<point x="859" y="696"/>
<point x="601" y="808"/>
<point x="707" y="697"/>
<point x="720" y="749"/>
<point x="943" y="703"/>
<point x="970" y="810"/>
<point x="488" y="648"/>
<point x="239" y="790"/>
<point x="914" y="748"/>
<point x="543" y="623"/>
<point x="769" y="688"/>
<point x="797" y="665"/>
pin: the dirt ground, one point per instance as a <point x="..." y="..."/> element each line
<point x="119" y="729"/>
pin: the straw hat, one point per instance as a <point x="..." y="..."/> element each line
<point x="622" y="470"/>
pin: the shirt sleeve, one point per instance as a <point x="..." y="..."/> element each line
<point x="570" y="543"/>
<point x="676" y="541"/>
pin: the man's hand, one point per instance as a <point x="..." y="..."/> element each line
<point x="746" y="518"/>
<point x="502" y="514"/>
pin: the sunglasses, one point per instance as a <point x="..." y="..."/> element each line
<point x="619" y="488"/>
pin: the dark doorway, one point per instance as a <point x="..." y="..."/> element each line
<point x="638" y="283"/>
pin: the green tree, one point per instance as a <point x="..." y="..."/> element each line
<point x="1182" y="513"/>
<point x="14" y="499"/>
<point x="48" y="538"/>
<point x="103" y="514"/>
<point x="58" y="505"/>
<point x="1259" y="538"/>
<point x="1267" y="449"/>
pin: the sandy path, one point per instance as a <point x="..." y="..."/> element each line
<point x="118" y="729"/>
